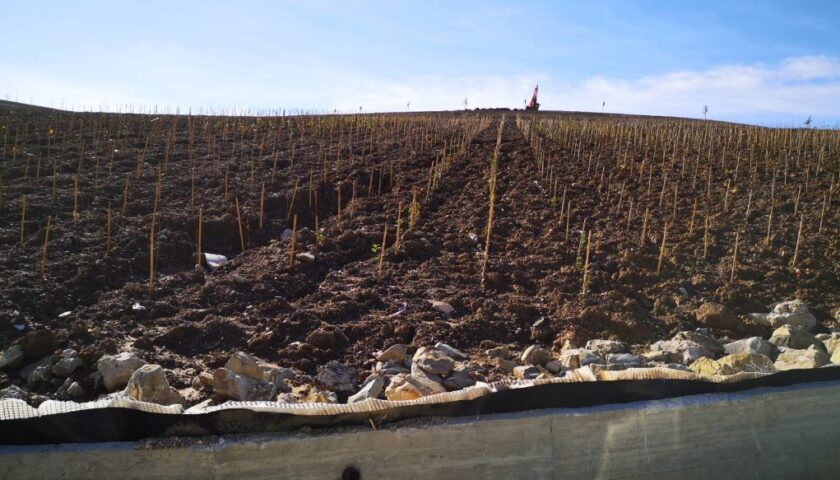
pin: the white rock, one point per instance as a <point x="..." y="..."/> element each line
<point x="535" y="355"/>
<point x="442" y="307"/>
<point x="148" y="384"/>
<point x="240" y="387"/>
<point x="117" y="369"/>
<point x="682" y="351"/>
<point x="604" y="347"/>
<point x="792" y="359"/>
<point x="432" y="361"/>
<point x="793" y="312"/>
<point x="394" y="353"/>
<point x="412" y="387"/>
<point x="372" y="389"/>
<point x="756" y="345"/>
<point x="451" y="351"/>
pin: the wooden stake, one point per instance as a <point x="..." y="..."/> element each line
<point x="382" y="248"/>
<point x="292" y="243"/>
<point x="662" y="249"/>
<point x="239" y="221"/>
<point x="44" y="252"/>
<point x="152" y="255"/>
<point x="108" y="231"/>
<point x="200" y="233"/>
<point x="734" y="258"/>
<point x="22" y="218"/>
<point x="798" y="241"/>
<point x="586" y="265"/>
<point x="262" y="204"/>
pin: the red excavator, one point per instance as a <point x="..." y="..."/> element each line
<point x="534" y="105"/>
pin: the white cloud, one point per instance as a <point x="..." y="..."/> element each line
<point x="784" y="93"/>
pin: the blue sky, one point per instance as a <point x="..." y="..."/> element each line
<point x="769" y="62"/>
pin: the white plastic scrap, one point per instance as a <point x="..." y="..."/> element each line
<point x="214" y="260"/>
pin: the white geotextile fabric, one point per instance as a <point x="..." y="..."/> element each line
<point x="18" y="409"/>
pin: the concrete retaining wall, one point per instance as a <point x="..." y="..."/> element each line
<point x="791" y="432"/>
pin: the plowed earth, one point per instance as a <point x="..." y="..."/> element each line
<point x="341" y="306"/>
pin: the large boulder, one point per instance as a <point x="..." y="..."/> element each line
<point x="794" y="337"/>
<point x="755" y="345"/>
<point x="682" y="351"/>
<point x="792" y="359"/>
<point x="794" y="312"/>
<point x="372" y="389"/>
<point x="235" y="386"/>
<point x="535" y="355"/>
<point x="711" y="343"/>
<point x="148" y="384"/>
<point x="746" y="362"/>
<point x="432" y="361"/>
<point x="116" y="369"/>
<point x="412" y="387"/>
<point x="11" y="358"/>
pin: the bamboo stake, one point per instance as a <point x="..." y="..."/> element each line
<point x="239" y="221"/>
<point x="292" y="203"/>
<point x="200" y="233"/>
<point x="152" y="255"/>
<point x="798" y="241"/>
<point x="586" y="265"/>
<point x="822" y="213"/>
<point x="644" y="228"/>
<point x="262" y="204"/>
<point x="707" y="223"/>
<point x="108" y="231"/>
<point x="382" y="249"/>
<point x="44" y="252"/>
<point x="292" y="243"/>
<point x="693" y="213"/>
<point x="662" y="249"/>
<point x="22" y="218"/>
<point x="734" y="258"/>
<point x="399" y="222"/>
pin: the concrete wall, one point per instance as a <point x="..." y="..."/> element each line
<point x="791" y="432"/>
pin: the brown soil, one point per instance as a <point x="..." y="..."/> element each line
<point x="340" y="306"/>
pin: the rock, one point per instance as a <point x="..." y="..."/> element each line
<point x="277" y="375"/>
<point x="235" y="386"/>
<point x="794" y="337"/>
<point x="458" y="379"/>
<point x="535" y="355"/>
<point x="835" y="356"/>
<point x="74" y="390"/>
<point x="682" y="351"/>
<point x="832" y="342"/>
<point x="202" y="380"/>
<point x="412" y="387"/>
<point x="394" y="353"/>
<point x="390" y="368"/>
<point x="148" y="384"/>
<point x="452" y="352"/>
<point x="323" y="339"/>
<point x="117" y="369"/>
<point x="12" y="392"/>
<point x="715" y="315"/>
<point x="316" y="395"/>
<point x="11" y="358"/>
<point x="756" y="345"/>
<point x="66" y="366"/>
<point x="286" y="235"/>
<point x="432" y="361"/>
<point x="746" y="362"/>
<point x="286" y="398"/>
<point x="793" y="312"/>
<point x="37" y="373"/>
<point x="658" y="356"/>
<point x="627" y="359"/>
<point x="792" y="359"/>
<point x="579" y="357"/>
<point x="705" y="366"/>
<point x="244" y="364"/>
<point x="498" y="352"/>
<point x="554" y="366"/>
<point x="39" y="343"/>
<point x="605" y="347"/>
<point x="505" y="365"/>
<point x="541" y="330"/>
<point x="442" y="307"/>
<point x="527" y="372"/>
<point x="305" y="257"/>
<point x="711" y="343"/>
<point x="337" y="377"/>
<point x="371" y="389"/>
